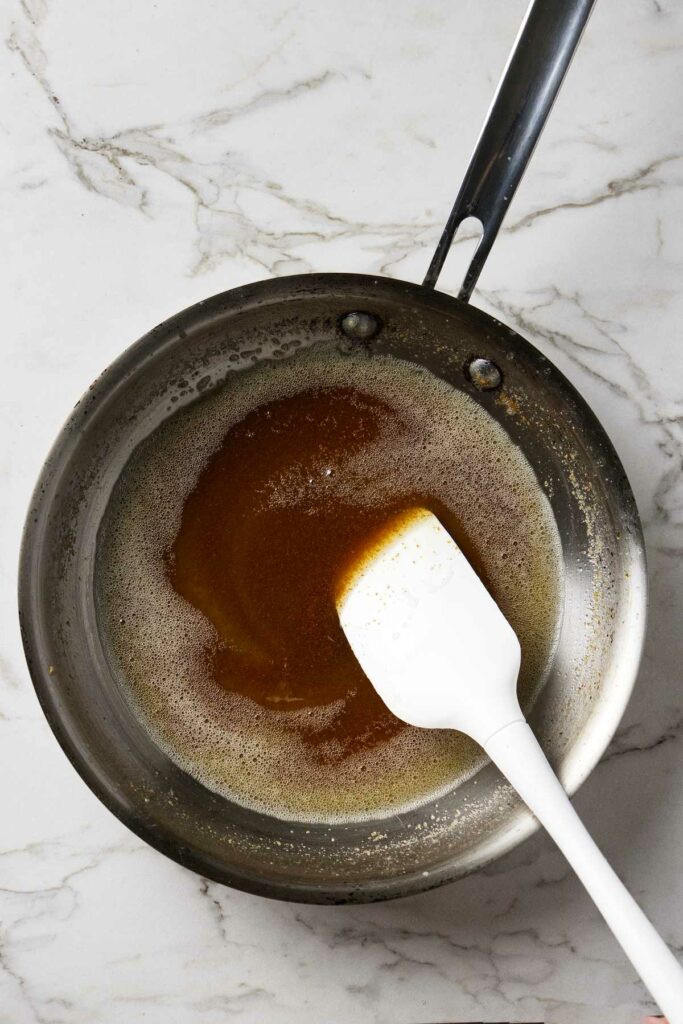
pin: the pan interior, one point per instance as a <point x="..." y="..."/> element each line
<point x="295" y="460"/>
<point x="195" y="356"/>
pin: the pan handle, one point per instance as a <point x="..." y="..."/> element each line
<point x="531" y="80"/>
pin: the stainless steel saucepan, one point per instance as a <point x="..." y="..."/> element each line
<point x="601" y="631"/>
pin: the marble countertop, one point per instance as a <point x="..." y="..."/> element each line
<point x="155" y="153"/>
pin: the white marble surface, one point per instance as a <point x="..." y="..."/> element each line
<point x="156" y="152"/>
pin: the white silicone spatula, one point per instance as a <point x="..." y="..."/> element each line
<point x="440" y="653"/>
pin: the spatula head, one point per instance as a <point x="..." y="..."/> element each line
<point x="427" y="633"/>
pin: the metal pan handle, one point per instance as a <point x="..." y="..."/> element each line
<point x="531" y="80"/>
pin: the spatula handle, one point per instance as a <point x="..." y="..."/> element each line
<point x="518" y="755"/>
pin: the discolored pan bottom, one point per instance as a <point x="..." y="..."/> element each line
<point x="219" y="556"/>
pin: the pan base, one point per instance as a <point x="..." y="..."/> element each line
<point x="218" y="557"/>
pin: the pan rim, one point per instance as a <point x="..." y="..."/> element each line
<point x="593" y="741"/>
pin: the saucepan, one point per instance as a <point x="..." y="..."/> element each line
<point x="603" y="610"/>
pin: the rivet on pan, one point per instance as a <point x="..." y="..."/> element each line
<point x="360" y="326"/>
<point x="484" y="374"/>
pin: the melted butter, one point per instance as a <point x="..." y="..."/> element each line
<point x="225" y="543"/>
